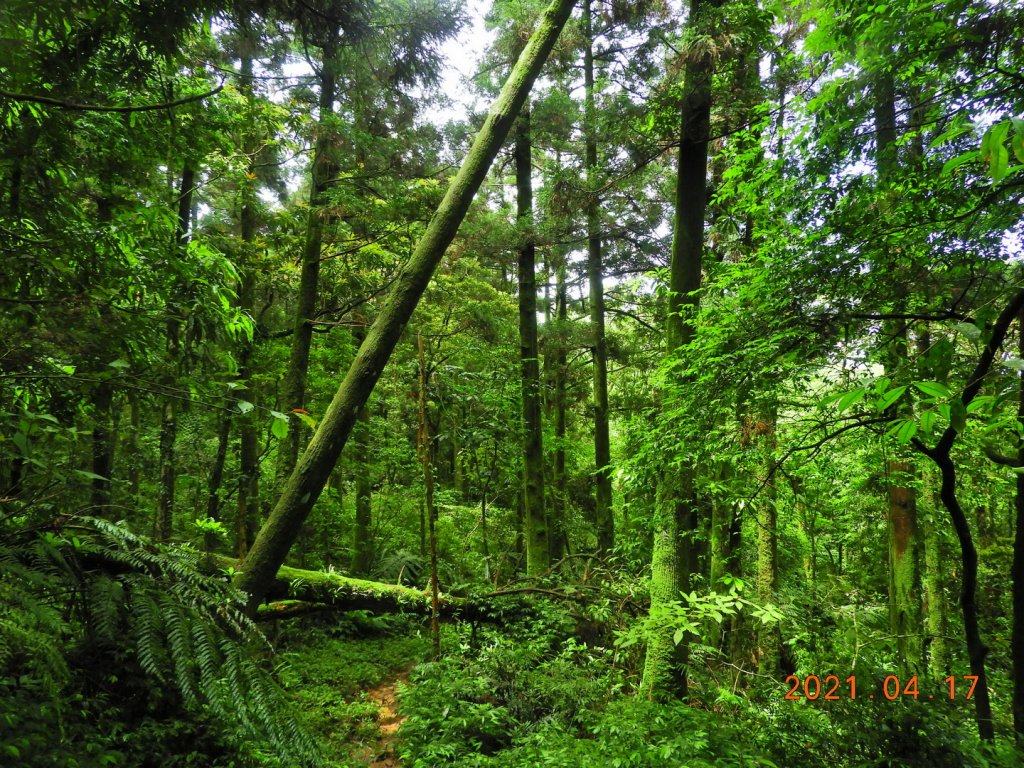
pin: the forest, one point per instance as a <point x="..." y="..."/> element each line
<point x="651" y="393"/>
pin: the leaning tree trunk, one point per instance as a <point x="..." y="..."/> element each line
<point x="941" y="455"/>
<point x="595" y="275"/>
<point x="678" y="513"/>
<point x="314" y="467"/>
<point x="534" y="517"/>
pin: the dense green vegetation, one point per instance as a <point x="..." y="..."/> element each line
<point x="670" y="413"/>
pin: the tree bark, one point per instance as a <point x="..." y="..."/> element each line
<point x="903" y="538"/>
<point x="534" y="518"/>
<point x="769" y="638"/>
<point x="248" y="500"/>
<point x="595" y="275"/>
<point x="362" y="537"/>
<point x="164" y="523"/>
<point x="307" y="481"/>
<point x="102" y="447"/>
<point x="424" y="445"/>
<point x="323" y="169"/>
<point x="678" y="513"/>
<point x="1017" y="566"/>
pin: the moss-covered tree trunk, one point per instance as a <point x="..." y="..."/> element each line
<point x="534" y="517"/>
<point x="678" y="511"/>
<point x="603" y="519"/>
<point x="362" y="534"/>
<point x="311" y="472"/>
<point x="769" y="638"/>
<point x="903" y="539"/>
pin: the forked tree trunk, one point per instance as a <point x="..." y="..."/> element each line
<point x="314" y="467"/>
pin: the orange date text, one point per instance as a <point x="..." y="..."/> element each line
<point x="831" y="688"/>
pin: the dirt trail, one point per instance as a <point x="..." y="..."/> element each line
<point x="381" y="752"/>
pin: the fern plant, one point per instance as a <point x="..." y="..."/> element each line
<point x="88" y="588"/>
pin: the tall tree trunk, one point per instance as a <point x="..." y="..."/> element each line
<point x="217" y="470"/>
<point x="307" y="481"/>
<point x="248" y="496"/>
<point x="678" y="516"/>
<point x="769" y="638"/>
<point x="934" y="595"/>
<point x="102" y="447"/>
<point x="424" y="444"/>
<point x="559" y="529"/>
<point x="323" y="169"/>
<point x="595" y="275"/>
<point x="903" y="536"/>
<point x="362" y="536"/>
<point x="534" y="519"/>
<point x="1017" y="566"/>
<point x="164" y="523"/>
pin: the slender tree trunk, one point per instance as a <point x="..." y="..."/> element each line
<point x="307" y="481"/>
<point x="102" y="447"/>
<point x="769" y="638"/>
<point x="595" y="275"/>
<point x="976" y="649"/>
<point x="559" y="532"/>
<point x="1017" y="566"/>
<point x="248" y="498"/>
<point x="903" y="536"/>
<point x="678" y="518"/>
<point x="934" y="595"/>
<point x="428" y="494"/>
<point x="217" y="470"/>
<point x="362" y="540"/>
<point x="164" y="523"/>
<point x="535" y="520"/>
<point x="323" y="169"/>
<point x="134" y="453"/>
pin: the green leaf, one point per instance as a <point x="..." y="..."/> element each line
<point x="851" y="398"/>
<point x="906" y="432"/>
<point x="244" y="406"/>
<point x="678" y="636"/>
<point x="933" y="389"/>
<point x="998" y="163"/>
<point x="279" y="429"/>
<point x="119" y="364"/>
<point x="954" y="163"/>
<point x="890" y="397"/>
<point x="970" y="330"/>
<point x="89" y="475"/>
<point x="1015" y="363"/>
<point x="928" y="420"/>
<point x="308" y="420"/>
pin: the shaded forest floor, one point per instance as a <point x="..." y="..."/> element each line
<point x="532" y="695"/>
<point x="345" y="682"/>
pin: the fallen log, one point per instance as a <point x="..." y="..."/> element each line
<point x="296" y="592"/>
